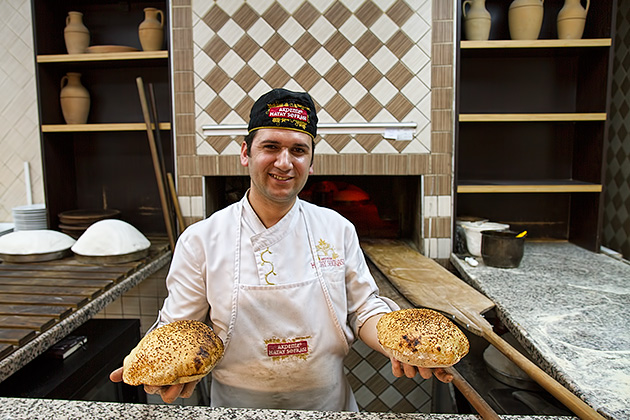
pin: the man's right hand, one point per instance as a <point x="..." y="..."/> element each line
<point x="169" y="393"/>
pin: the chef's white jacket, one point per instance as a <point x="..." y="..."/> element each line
<point x="309" y="242"/>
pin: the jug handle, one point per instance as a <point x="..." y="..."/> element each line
<point x="64" y="79"/>
<point x="67" y="20"/>
<point x="161" y="14"/>
<point x="464" y="6"/>
<point x="588" y="4"/>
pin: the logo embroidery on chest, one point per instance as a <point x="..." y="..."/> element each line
<point x="284" y="348"/>
<point x="265" y="262"/>
<point x="327" y="256"/>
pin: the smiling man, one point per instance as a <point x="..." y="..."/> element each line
<point x="282" y="282"/>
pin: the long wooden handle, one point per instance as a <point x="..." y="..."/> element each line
<point x="566" y="397"/>
<point x="178" y="210"/>
<point x="159" y="176"/>
<point x="483" y="408"/>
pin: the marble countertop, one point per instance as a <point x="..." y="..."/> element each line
<point x="569" y="308"/>
<point x="22" y="408"/>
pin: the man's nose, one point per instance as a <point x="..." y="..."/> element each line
<point x="283" y="160"/>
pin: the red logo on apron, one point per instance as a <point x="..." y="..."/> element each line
<point x="287" y="349"/>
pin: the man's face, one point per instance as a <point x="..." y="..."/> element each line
<point x="279" y="164"/>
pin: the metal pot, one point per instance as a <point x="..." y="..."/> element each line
<point x="502" y="249"/>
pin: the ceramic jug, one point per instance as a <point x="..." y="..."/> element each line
<point x="75" y="99"/>
<point x="76" y="35"/>
<point x="525" y="19"/>
<point x="477" y="20"/>
<point x="151" y="30"/>
<point x="571" y="19"/>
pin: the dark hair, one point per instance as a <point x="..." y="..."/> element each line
<point x="249" y="138"/>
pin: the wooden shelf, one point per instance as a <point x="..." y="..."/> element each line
<point x="77" y="128"/>
<point x="545" y="186"/>
<point x="588" y="116"/>
<point x="73" y="58"/>
<point x="540" y="43"/>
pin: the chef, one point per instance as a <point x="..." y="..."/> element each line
<point x="283" y="282"/>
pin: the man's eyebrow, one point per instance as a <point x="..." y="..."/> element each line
<point x="298" y="144"/>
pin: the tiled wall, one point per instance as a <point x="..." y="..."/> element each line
<point x="362" y="61"/>
<point x="19" y="133"/>
<point x="141" y="302"/>
<point x="616" y="233"/>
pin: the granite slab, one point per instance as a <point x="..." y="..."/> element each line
<point x="23" y="408"/>
<point x="569" y="308"/>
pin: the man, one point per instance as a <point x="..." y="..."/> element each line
<point x="283" y="282"/>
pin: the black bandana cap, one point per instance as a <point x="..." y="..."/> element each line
<point x="282" y="108"/>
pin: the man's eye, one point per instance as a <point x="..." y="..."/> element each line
<point x="299" y="150"/>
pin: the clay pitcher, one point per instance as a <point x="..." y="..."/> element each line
<point x="571" y="19"/>
<point x="477" y="20"/>
<point x="76" y="35"/>
<point x="75" y="99"/>
<point x="525" y="19"/>
<point x="151" y="30"/>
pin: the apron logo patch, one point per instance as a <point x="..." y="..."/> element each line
<point x="327" y="255"/>
<point x="287" y="349"/>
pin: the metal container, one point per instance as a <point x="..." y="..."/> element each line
<point x="501" y="249"/>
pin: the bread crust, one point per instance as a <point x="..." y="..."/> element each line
<point x="176" y="353"/>
<point x="421" y="337"/>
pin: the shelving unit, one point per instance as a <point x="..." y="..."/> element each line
<point x="105" y="163"/>
<point x="532" y="125"/>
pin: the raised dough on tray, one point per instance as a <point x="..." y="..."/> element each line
<point x="110" y="237"/>
<point x="30" y="242"/>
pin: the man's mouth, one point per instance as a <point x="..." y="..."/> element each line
<point x="280" y="178"/>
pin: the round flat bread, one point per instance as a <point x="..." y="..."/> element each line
<point x="176" y="353"/>
<point x="421" y="337"/>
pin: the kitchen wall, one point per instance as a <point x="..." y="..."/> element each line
<point x="19" y="136"/>
<point x="19" y="133"/>
<point x="362" y="61"/>
<point x="616" y="234"/>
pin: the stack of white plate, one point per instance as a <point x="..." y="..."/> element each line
<point x="30" y="217"/>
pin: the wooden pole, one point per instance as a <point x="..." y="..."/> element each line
<point x="483" y="408"/>
<point x="178" y="210"/>
<point x="159" y="174"/>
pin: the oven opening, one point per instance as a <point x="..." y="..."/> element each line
<point x="379" y="206"/>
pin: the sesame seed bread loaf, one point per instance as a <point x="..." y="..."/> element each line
<point x="176" y="353"/>
<point x="421" y="337"/>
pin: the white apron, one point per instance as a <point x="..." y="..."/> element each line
<point x="284" y="345"/>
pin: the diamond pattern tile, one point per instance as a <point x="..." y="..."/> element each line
<point x="616" y="224"/>
<point x="359" y="59"/>
<point x="378" y="390"/>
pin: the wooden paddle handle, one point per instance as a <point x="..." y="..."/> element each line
<point x="566" y="397"/>
<point x="483" y="408"/>
<point x="159" y="175"/>
<point x="178" y="210"/>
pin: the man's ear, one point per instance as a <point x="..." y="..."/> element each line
<point x="244" y="157"/>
